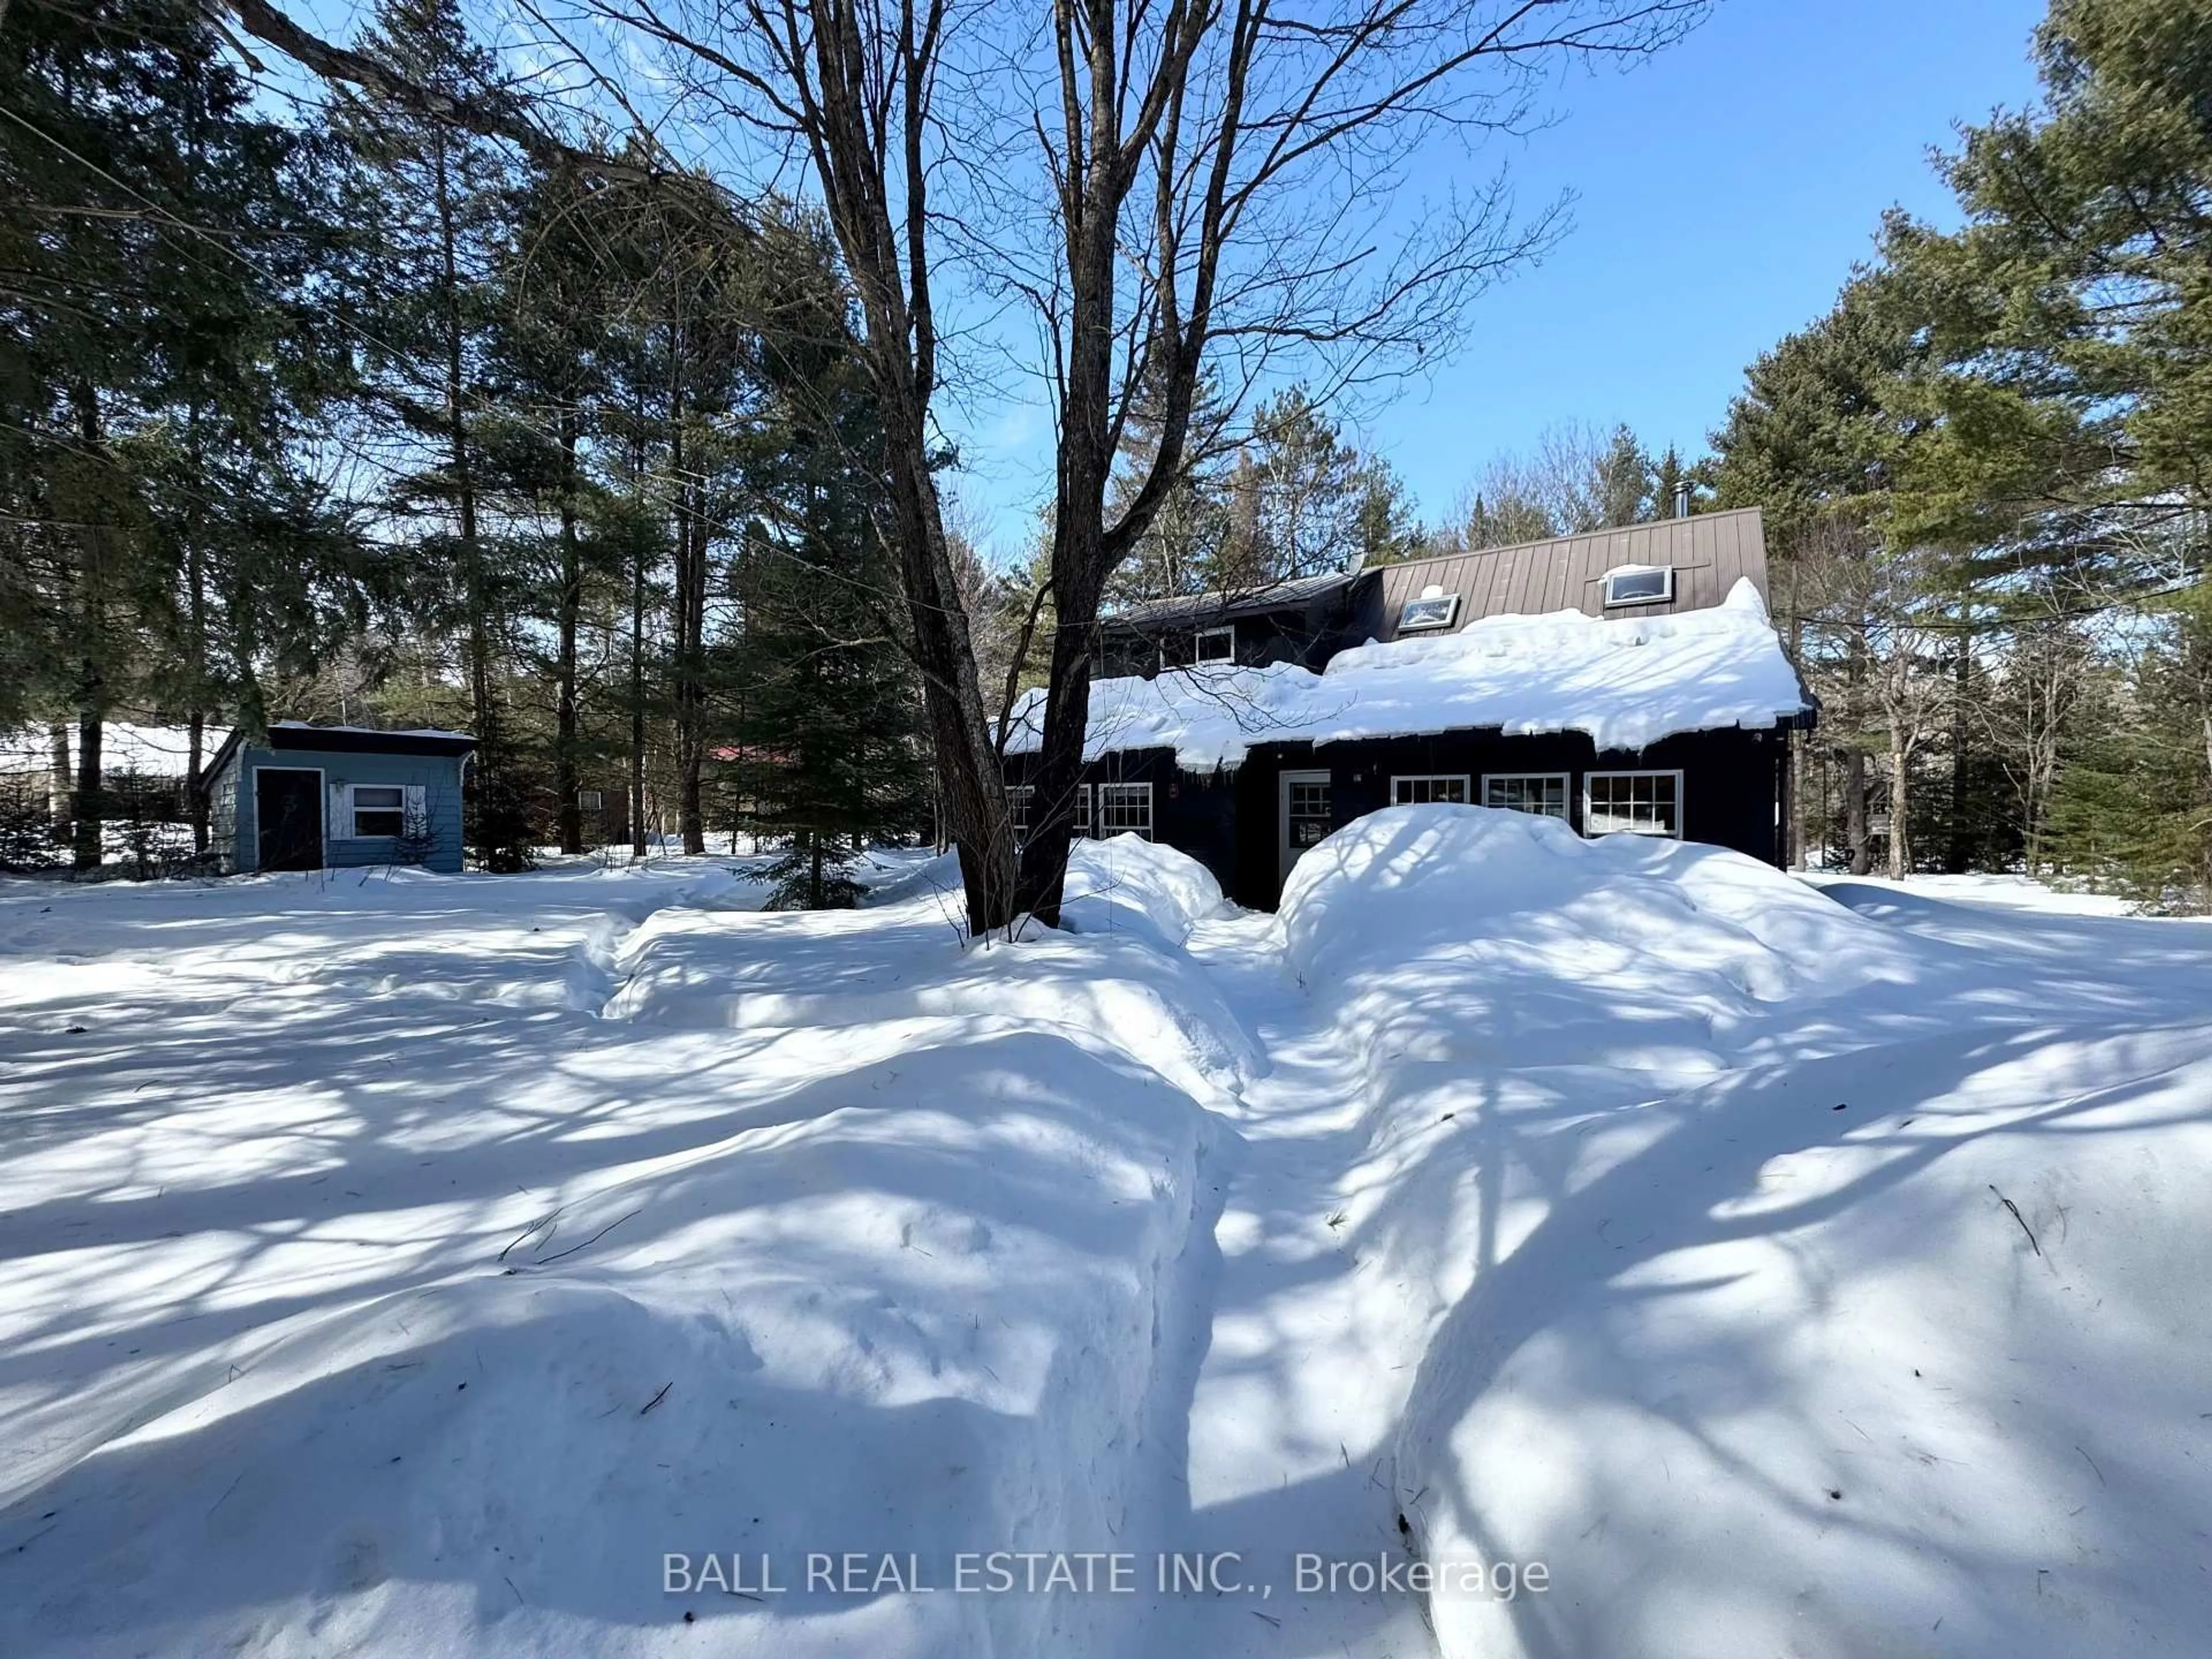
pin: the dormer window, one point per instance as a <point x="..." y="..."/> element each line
<point x="1216" y="645"/>
<point x="1639" y="584"/>
<point x="1434" y="609"/>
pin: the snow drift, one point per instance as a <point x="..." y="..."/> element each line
<point x="406" y="1266"/>
<point x="1782" y="1281"/>
<point x="1627" y="681"/>
<point x="386" y="1297"/>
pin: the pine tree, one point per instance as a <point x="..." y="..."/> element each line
<point x="434" y="206"/>
<point x="555" y="358"/>
<point x="829" y="744"/>
<point x="156" y="363"/>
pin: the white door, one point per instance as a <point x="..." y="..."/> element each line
<point x="1304" y="816"/>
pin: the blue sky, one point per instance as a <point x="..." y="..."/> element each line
<point x="1724" y="191"/>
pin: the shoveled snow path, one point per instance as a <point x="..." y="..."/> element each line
<point x="1311" y="1351"/>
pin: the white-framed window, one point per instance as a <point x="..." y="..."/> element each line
<point x="1423" y="789"/>
<point x="1125" y="808"/>
<point x="1433" y="609"/>
<point x="590" y="800"/>
<point x="1215" y="645"/>
<point x="1021" y="805"/>
<point x="376" y="811"/>
<point x="1633" y="803"/>
<point x="1542" y="792"/>
<point x="1639" y="584"/>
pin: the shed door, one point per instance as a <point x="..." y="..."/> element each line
<point x="1305" y="803"/>
<point x="288" y="819"/>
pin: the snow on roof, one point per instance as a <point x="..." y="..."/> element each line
<point x="372" y="730"/>
<point x="1627" y="681"/>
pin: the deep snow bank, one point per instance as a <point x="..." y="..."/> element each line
<point x="1127" y="884"/>
<point x="1699" y="1193"/>
<point x="1119" y="980"/>
<point x="1541" y="946"/>
<point x="1117" y="972"/>
<point x="1123" y="884"/>
<point x="912" y="1315"/>
<point x="369" y="1292"/>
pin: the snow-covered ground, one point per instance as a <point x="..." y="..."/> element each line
<point x="413" y="1265"/>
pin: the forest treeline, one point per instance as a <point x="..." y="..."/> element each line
<point x="329" y="412"/>
<point x="1984" y="473"/>
<point x="320" y="403"/>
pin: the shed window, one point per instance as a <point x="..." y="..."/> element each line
<point x="1633" y="803"/>
<point x="1638" y="584"/>
<point x="1125" y="808"/>
<point x="1428" y="790"/>
<point x="378" y="810"/>
<point x="1083" y="810"/>
<point x="590" y="800"/>
<point x="1430" y="611"/>
<point x="1216" y="645"/>
<point x="1542" y="792"/>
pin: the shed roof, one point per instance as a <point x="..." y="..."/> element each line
<point x="410" y="740"/>
<point x="348" y="740"/>
<point x="1709" y="552"/>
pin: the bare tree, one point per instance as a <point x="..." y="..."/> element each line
<point x="2029" y="709"/>
<point x="1878" y="635"/>
<point x="1221" y="177"/>
<point x="1169" y="187"/>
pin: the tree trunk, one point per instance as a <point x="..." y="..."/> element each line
<point x="61" y="781"/>
<point x="1794" y="825"/>
<point x="1080" y="564"/>
<point x="1059" y="768"/>
<point x="196" y="800"/>
<point x="974" y="788"/>
<point x="88" y="808"/>
<point x="690" y="608"/>
<point x="637" y="842"/>
<point x="490" y="767"/>
<point x="1857" y="842"/>
<point x="567" y="781"/>
<point x="1958" y="846"/>
<point x="1900" y="786"/>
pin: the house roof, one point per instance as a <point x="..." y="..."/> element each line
<point x="1244" y="602"/>
<point x="1627" y="681"/>
<point x="1709" y="552"/>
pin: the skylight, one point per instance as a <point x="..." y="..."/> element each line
<point x="1639" y="584"/>
<point x="1434" y="609"/>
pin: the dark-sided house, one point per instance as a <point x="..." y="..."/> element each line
<point x="336" y="797"/>
<point x="1626" y="681"/>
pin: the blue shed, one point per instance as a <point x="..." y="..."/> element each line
<point x="337" y="796"/>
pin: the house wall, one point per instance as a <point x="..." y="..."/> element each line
<point x="1308" y="634"/>
<point x="1230" y="821"/>
<point x="221" y="786"/>
<point x="1732" y="783"/>
<point x="439" y="775"/>
<point x="1193" y="813"/>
